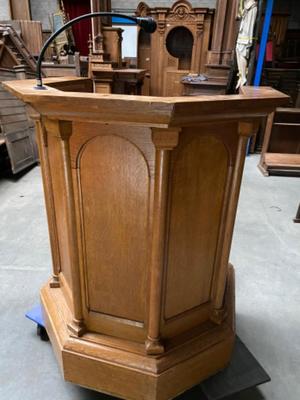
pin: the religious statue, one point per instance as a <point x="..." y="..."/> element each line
<point x="245" y="39"/>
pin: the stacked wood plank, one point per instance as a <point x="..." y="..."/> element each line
<point x="281" y="149"/>
<point x="32" y="36"/>
<point x="16" y="129"/>
<point x="17" y="136"/>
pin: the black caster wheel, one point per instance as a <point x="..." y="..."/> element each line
<point x="42" y="333"/>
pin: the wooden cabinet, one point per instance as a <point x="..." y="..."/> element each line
<point x="280" y="153"/>
<point x="141" y="195"/>
<point x="178" y="47"/>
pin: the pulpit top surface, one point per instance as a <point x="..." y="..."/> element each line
<point x="71" y="98"/>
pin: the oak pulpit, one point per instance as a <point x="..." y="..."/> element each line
<point x="141" y="196"/>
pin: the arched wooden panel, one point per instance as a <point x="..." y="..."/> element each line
<point x="197" y="190"/>
<point x="114" y="180"/>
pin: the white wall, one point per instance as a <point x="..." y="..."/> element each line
<point x="41" y="10"/>
<point x="129" y="43"/>
<point x="4" y="10"/>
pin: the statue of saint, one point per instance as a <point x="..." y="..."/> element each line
<point x="245" y="39"/>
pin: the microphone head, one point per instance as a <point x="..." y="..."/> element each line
<point x="147" y="23"/>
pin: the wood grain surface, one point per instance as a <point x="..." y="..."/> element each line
<point x="141" y="196"/>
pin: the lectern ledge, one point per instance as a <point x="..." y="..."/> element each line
<point x="141" y="196"/>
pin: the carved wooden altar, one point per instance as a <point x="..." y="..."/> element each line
<point x="141" y="196"/>
<point x="178" y="47"/>
<point x="105" y="57"/>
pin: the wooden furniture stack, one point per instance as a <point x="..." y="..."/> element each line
<point x="141" y="196"/>
<point x="13" y="50"/>
<point x="105" y="57"/>
<point x="31" y="32"/>
<point x="17" y="134"/>
<point x="278" y="28"/>
<point x="177" y="48"/>
<point x="285" y="80"/>
<point x="281" y="148"/>
<point x="221" y="53"/>
<point x="281" y="144"/>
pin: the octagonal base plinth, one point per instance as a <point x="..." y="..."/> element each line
<point x="122" y="368"/>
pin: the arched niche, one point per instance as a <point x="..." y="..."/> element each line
<point x="179" y="44"/>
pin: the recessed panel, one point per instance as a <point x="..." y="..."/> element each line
<point x="114" y="182"/>
<point x="198" y="179"/>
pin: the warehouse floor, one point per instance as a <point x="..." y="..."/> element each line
<point x="265" y="252"/>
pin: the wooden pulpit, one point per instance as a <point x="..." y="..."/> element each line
<point x="141" y="196"/>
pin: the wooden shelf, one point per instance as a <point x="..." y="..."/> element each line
<point x="280" y="164"/>
<point x="281" y="148"/>
<point x="282" y="160"/>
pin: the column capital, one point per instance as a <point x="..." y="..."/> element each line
<point x="60" y="128"/>
<point x="165" y="138"/>
<point x="248" y="128"/>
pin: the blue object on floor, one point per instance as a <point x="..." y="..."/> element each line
<point x="35" y="315"/>
<point x="243" y="372"/>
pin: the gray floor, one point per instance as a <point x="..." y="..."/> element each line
<point x="265" y="252"/>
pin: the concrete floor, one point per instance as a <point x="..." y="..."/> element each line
<point x="265" y="252"/>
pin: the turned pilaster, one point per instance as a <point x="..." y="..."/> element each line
<point x="224" y="32"/>
<point x="197" y="53"/>
<point x="161" y="28"/>
<point x="245" y="130"/>
<point x="164" y="140"/>
<point x="218" y="31"/>
<point x="42" y="142"/>
<point x="96" y="6"/>
<point x="64" y="131"/>
<point x="230" y="33"/>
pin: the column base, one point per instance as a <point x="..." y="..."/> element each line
<point x="126" y="370"/>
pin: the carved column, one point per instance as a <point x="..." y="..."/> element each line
<point x="97" y="30"/>
<point x="42" y="141"/>
<point x="164" y="140"/>
<point x="245" y="130"/>
<point x="218" y="32"/>
<point x="206" y="40"/>
<point x="198" y="43"/>
<point x="230" y="32"/>
<point x="157" y="59"/>
<point x="224" y="33"/>
<point x="63" y="130"/>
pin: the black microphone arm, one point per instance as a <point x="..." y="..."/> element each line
<point x="146" y="23"/>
